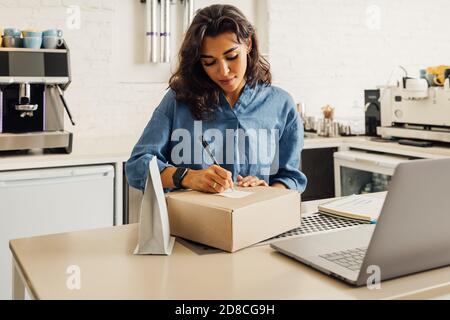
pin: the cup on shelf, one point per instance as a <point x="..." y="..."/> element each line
<point x="32" y="39"/>
<point x="31" y="34"/>
<point x="32" y="42"/>
<point x="12" y="42"/>
<point x="11" y="38"/>
<point x="52" y="38"/>
<point x="52" y="33"/>
<point x="52" y="42"/>
<point x="12" y="32"/>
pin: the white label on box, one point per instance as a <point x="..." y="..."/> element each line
<point x="232" y="193"/>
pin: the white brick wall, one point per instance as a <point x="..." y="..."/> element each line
<point x="322" y="51"/>
<point x="328" y="51"/>
<point x="99" y="104"/>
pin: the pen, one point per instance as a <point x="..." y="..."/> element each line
<point x="208" y="151"/>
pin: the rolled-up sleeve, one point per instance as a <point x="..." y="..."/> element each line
<point x="154" y="142"/>
<point x="290" y="147"/>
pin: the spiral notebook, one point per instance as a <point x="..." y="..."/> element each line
<point x="361" y="207"/>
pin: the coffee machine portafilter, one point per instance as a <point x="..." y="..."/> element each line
<point x="24" y="105"/>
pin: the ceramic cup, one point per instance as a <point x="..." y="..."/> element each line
<point x="32" y="34"/>
<point x="12" y="32"/>
<point x="12" y="42"/>
<point x="32" y="42"/>
<point x="53" y="33"/>
<point x="51" y="42"/>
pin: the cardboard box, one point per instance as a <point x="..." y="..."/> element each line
<point x="232" y="224"/>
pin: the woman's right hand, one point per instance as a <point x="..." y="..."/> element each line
<point x="214" y="179"/>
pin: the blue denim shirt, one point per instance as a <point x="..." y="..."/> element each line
<point x="262" y="136"/>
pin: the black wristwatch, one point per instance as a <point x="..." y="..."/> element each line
<point x="178" y="176"/>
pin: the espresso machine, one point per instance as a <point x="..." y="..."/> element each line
<point x="372" y="112"/>
<point x="32" y="104"/>
<point x="413" y="110"/>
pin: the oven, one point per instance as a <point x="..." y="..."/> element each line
<point x="357" y="171"/>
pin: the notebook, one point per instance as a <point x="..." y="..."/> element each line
<point x="358" y="207"/>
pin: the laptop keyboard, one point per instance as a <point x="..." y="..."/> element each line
<point x="351" y="259"/>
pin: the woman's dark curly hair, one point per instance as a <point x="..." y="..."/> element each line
<point x="190" y="82"/>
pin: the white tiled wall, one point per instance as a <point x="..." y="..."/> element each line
<point x="322" y="51"/>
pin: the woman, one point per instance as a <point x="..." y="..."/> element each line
<point x="222" y="95"/>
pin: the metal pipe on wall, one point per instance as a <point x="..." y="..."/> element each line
<point x="188" y="13"/>
<point x="185" y="6"/>
<point x="162" y="35"/>
<point x="154" y="5"/>
<point x="151" y="30"/>
<point x="167" y="21"/>
<point x="190" y="5"/>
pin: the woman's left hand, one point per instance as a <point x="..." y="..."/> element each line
<point x="250" y="181"/>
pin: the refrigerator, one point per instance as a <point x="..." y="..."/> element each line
<point x="47" y="201"/>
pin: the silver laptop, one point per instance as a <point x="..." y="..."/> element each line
<point x="412" y="233"/>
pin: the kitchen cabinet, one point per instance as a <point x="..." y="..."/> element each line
<point x="53" y="200"/>
<point x="317" y="165"/>
<point x="131" y="201"/>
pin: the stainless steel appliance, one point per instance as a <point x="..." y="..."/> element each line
<point x="32" y="85"/>
<point x="414" y="110"/>
<point x="357" y="172"/>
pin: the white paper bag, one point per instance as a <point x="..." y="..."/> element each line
<point x="154" y="229"/>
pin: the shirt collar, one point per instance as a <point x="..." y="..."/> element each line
<point x="244" y="99"/>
